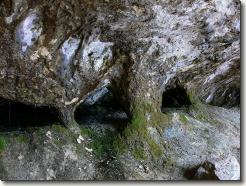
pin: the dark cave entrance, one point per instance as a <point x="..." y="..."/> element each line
<point x="175" y="99"/>
<point x="16" y="116"/>
<point x="102" y="111"/>
<point x="102" y="118"/>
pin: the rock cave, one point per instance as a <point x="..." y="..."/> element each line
<point x="120" y="90"/>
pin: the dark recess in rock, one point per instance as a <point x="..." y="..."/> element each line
<point x="104" y="109"/>
<point x="175" y="98"/>
<point x="206" y="171"/>
<point x="18" y="116"/>
<point x="178" y="57"/>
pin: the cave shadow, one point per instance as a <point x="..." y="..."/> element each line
<point x="102" y="109"/>
<point x="16" y="116"/>
<point x="174" y="99"/>
<point x="102" y="112"/>
<point x="205" y="171"/>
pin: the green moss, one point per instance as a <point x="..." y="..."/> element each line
<point x="155" y="148"/>
<point x="201" y="117"/>
<point x="135" y="137"/>
<point x="139" y="153"/>
<point x="183" y="118"/>
<point x="201" y="110"/>
<point x="3" y="143"/>
<point x="102" y="144"/>
<point x="159" y="120"/>
<point x="119" y="145"/>
<point x="136" y="134"/>
<point x="86" y="131"/>
<point x="137" y="127"/>
<point x="59" y="128"/>
<point x="22" y="139"/>
<point x="193" y="96"/>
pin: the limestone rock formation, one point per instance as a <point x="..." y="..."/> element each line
<point x="157" y="57"/>
<point x="57" y="52"/>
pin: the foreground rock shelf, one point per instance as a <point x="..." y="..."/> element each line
<point x="119" y="90"/>
<point x="54" y="153"/>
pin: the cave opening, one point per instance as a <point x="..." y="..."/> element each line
<point x="16" y="116"/>
<point x="175" y="99"/>
<point x="102" y="111"/>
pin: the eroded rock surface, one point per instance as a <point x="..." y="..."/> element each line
<point x="63" y="53"/>
<point x="55" y="53"/>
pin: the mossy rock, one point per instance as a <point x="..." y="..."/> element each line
<point x="136" y="135"/>
<point x="183" y="118"/>
<point x="155" y="149"/>
<point x="102" y="144"/>
<point x="139" y="153"/>
<point x="22" y="139"/>
<point x="60" y="129"/>
<point x="3" y="144"/>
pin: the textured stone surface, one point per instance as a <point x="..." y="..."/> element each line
<point x="53" y="153"/>
<point x="62" y="53"/>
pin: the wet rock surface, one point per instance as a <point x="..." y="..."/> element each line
<point x="153" y="88"/>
